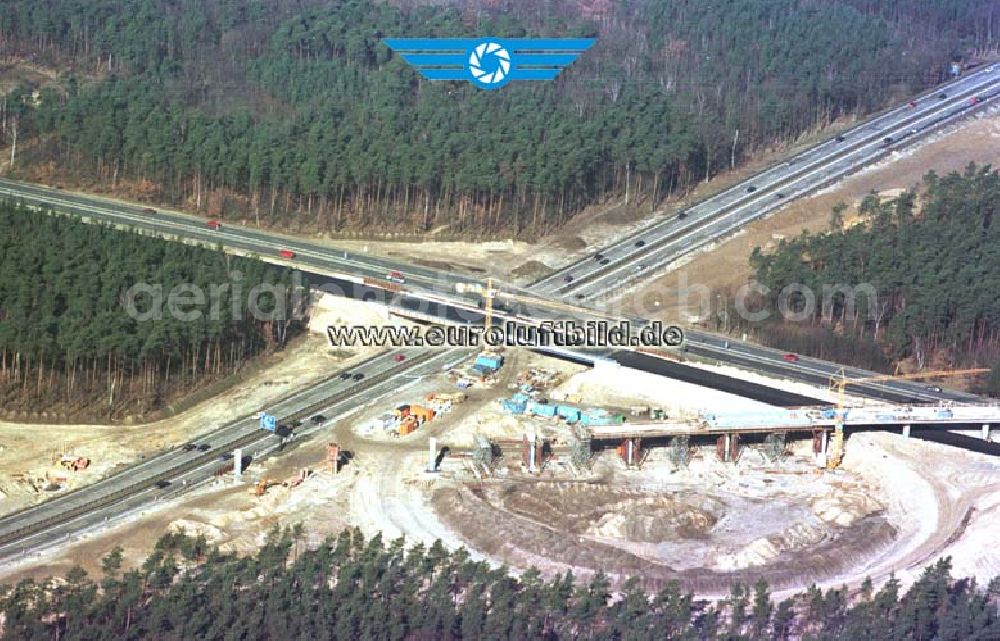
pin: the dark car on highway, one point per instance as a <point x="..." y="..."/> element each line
<point x="640" y="243"/>
<point x="887" y="140"/>
<point x="751" y="189"/>
<point x="317" y="419"/>
<point x="345" y="375"/>
<point x="358" y="376"/>
<point x="839" y="139"/>
<point x="204" y="447"/>
<point x="568" y="278"/>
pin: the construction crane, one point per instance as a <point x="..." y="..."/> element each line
<point x="839" y="383"/>
<point x="488" y="305"/>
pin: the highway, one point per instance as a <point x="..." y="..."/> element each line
<point x="604" y="272"/>
<point x="67" y="516"/>
<point x="428" y="287"/>
<point x="709" y="348"/>
<point x="232" y="235"/>
<point x="433" y="293"/>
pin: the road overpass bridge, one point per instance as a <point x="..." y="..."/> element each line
<point x="943" y="423"/>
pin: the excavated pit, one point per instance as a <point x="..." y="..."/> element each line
<point x="705" y="536"/>
<point x="601" y="511"/>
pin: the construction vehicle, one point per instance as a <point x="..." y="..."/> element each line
<point x="261" y="486"/>
<point x="839" y="383"/>
<point x="409" y="425"/>
<point x="295" y="481"/>
<point x="421" y="413"/>
<point x="75" y="463"/>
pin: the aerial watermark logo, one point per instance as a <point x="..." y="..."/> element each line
<point x="489" y="63"/>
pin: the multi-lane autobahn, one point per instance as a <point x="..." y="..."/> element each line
<point x="606" y="270"/>
<point x="432" y="293"/>
<point x="660" y="243"/>
<point x="174" y="471"/>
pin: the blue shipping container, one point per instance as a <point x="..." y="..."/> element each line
<point x="571" y="414"/>
<point x="541" y="409"/>
<point x="592" y="418"/>
<point x="513" y="407"/>
<point x="492" y="362"/>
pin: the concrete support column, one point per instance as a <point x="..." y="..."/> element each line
<point x="431" y="454"/>
<point x="333" y="457"/>
<point x="986" y="432"/>
<point x="729" y="440"/>
<point x="531" y="453"/>
<point x="238" y="465"/>
<point x="906" y="431"/>
<point x="824" y="444"/>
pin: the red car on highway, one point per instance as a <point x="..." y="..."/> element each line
<point x="399" y="358"/>
<point x="286" y="253"/>
<point x="213" y="224"/>
<point x="791" y="358"/>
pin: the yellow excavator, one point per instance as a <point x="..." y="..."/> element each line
<point x="261" y="486"/>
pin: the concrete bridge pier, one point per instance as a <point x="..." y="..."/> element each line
<point x="630" y="451"/>
<point x="906" y="431"/>
<point x="820" y="444"/>
<point x="722" y="445"/>
<point x="986" y="432"/>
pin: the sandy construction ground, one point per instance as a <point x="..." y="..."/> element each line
<point x="28" y="452"/>
<point x="896" y="505"/>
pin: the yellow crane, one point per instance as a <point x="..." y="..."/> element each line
<point x="839" y="383"/>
